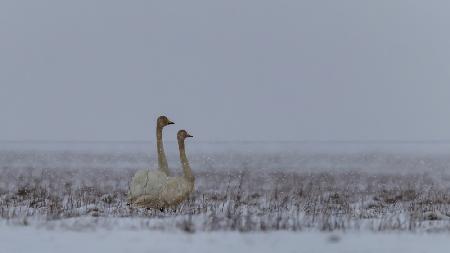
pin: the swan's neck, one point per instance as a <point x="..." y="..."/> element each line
<point x="162" y="160"/>
<point x="184" y="162"/>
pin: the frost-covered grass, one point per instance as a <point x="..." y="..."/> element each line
<point x="231" y="201"/>
<point x="235" y="191"/>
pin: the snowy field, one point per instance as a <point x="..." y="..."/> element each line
<point x="19" y="239"/>
<point x="299" y="197"/>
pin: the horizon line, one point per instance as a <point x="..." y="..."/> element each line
<point x="232" y="141"/>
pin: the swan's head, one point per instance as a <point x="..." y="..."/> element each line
<point x="183" y="134"/>
<point x="164" y="121"/>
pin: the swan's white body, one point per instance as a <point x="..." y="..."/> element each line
<point x="176" y="190"/>
<point x="146" y="182"/>
<point x="156" y="190"/>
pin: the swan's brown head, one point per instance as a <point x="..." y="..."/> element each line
<point x="163" y="121"/>
<point x="183" y="134"/>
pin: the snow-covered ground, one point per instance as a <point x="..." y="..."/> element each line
<point x="283" y="197"/>
<point x="28" y="239"/>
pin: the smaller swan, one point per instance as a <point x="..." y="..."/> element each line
<point x="178" y="189"/>
<point x="169" y="191"/>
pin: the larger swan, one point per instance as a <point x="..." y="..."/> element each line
<point x="145" y="181"/>
<point x="169" y="191"/>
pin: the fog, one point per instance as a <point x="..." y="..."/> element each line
<point x="225" y="70"/>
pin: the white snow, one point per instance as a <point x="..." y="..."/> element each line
<point x="30" y="239"/>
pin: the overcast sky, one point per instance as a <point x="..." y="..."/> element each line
<point x="225" y="70"/>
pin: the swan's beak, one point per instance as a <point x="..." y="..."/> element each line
<point x="170" y="123"/>
<point x="189" y="135"/>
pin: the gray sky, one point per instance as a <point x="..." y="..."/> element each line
<point x="225" y="70"/>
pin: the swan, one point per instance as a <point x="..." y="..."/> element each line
<point x="168" y="192"/>
<point x="145" y="181"/>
